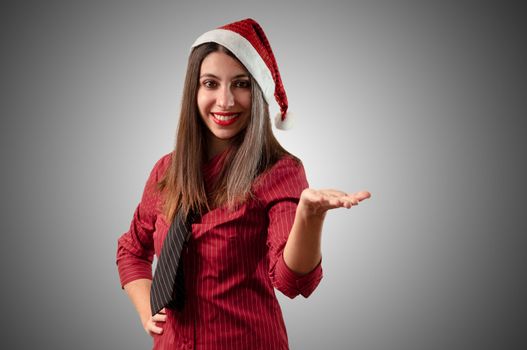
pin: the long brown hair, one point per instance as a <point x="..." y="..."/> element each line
<point x="255" y="150"/>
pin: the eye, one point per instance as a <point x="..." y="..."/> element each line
<point x="242" y="84"/>
<point x="209" y="84"/>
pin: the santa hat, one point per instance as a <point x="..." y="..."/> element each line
<point x="247" y="41"/>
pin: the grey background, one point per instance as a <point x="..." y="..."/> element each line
<point x="420" y="102"/>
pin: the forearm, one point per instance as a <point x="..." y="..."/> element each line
<point x="139" y="293"/>
<point x="302" y="252"/>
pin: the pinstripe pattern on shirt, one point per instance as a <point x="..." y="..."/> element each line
<point x="232" y="263"/>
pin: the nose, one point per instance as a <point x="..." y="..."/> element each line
<point x="225" y="98"/>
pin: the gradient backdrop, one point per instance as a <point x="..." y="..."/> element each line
<point x="421" y="102"/>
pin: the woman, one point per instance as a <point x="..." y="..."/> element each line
<point x="255" y="224"/>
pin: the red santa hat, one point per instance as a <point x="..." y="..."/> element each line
<point x="247" y="41"/>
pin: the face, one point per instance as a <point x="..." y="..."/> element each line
<point x="224" y="97"/>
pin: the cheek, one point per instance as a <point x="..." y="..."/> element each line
<point x="203" y="102"/>
<point x="245" y="100"/>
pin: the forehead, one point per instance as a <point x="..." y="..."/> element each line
<point x="220" y="63"/>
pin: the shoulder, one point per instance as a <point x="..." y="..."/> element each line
<point x="287" y="165"/>
<point x="285" y="178"/>
<point x="161" y="166"/>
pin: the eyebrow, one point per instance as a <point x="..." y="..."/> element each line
<point x="210" y="75"/>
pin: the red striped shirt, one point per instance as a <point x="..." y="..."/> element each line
<point x="232" y="263"/>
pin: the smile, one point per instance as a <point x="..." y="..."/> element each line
<point x="225" y="119"/>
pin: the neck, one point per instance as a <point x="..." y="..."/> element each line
<point x="215" y="146"/>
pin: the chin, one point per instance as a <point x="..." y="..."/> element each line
<point x="224" y="136"/>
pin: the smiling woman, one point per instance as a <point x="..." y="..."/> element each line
<point x="224" y="98"/>
<point x="228" y="212"/>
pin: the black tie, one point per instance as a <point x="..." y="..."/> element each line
<point x="168" y="283"/>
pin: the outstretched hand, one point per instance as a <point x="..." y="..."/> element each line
<point x="318" y="202"/>
<point x="302" y="251"/>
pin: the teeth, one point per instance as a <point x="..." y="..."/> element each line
<point x="225" y="118"/>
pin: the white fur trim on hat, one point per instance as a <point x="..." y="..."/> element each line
<point x="285" y="124"/>
<point x="247" y="55"/>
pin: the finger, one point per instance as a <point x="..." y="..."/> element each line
<point x="357" y="196"/>
<point x="316" y="195"/>
<point x="333" y="192"/>
<point x="354" y="200"/>
<point x="348" y="203"/>
<point x="349" y="199"/>
<point x="333" y="202"/>
<point x="319" y="203"/>
<point x="163" y="311"/>
<point x="362" y="195"/>
<point x="153" y="328"/>
<point x="320" y="200"/>
<point x="159" y="317"/>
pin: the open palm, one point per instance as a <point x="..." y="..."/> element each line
<point x="318" y="202"/>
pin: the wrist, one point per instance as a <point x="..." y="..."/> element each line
<point x="145" y="318"/>
<point x="310" y="215"/>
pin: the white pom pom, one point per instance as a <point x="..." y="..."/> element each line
<point x="285" y="124"/>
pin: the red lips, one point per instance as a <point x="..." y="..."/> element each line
<point x="232" y="117"/>
<point x="224" y="118"/>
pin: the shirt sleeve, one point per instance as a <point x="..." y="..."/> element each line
<point x="135" y="248"/>
<point x="282" y="188"/>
